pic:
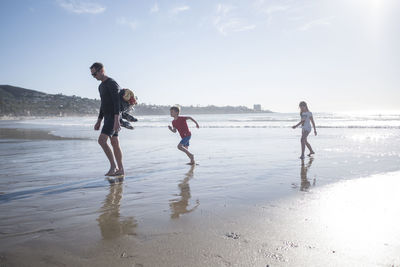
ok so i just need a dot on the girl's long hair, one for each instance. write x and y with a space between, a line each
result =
303 104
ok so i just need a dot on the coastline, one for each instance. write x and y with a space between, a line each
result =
27 118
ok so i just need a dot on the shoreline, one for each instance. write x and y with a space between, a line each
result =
15 118
32 134
27 118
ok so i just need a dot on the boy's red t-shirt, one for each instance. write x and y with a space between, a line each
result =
182 127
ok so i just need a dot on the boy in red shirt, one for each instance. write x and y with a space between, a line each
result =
179 123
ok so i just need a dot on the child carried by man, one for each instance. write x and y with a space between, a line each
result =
127 101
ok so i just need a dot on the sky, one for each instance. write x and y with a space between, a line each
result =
337 55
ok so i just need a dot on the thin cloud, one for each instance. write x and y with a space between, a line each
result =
226 22
224 10
155 8
275 9
179 9
269 7
286 12
126 22
315 23
81 7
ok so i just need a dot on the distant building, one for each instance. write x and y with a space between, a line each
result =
257 107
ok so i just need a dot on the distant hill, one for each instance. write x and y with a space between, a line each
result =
17 101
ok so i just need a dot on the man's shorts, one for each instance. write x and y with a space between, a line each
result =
108 126
185 141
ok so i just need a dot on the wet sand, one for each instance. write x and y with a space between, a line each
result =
351 223
30 134
250 202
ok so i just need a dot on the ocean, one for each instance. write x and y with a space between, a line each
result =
249 156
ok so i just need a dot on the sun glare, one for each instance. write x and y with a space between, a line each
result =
374 12
359 212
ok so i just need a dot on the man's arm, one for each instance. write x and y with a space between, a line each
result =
97 125
190 118
99 119
114 92
114 88
101 114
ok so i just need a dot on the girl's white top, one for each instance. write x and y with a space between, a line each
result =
306 116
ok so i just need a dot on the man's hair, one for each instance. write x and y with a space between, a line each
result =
175 108
97 66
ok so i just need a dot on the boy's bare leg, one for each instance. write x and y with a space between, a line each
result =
118 155
103 143
186 151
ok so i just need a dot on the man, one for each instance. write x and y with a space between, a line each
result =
109 110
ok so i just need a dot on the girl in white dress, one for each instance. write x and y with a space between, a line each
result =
306 118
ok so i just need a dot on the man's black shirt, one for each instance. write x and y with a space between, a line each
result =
109 96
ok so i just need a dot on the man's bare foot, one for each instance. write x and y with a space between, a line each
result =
301 157
111 172
119 173
311 153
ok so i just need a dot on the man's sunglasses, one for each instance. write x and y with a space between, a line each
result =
95 73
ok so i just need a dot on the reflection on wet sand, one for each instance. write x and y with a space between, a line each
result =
305 183
180 205
31 134
110 223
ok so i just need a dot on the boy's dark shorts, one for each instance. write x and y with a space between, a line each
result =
108 126
185 141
